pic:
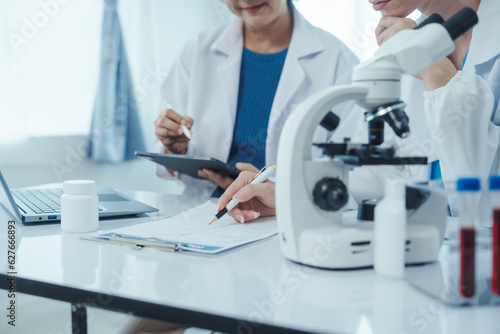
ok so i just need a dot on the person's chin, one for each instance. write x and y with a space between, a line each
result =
256 22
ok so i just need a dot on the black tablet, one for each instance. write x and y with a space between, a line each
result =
190 165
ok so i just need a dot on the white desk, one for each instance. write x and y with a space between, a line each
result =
252 289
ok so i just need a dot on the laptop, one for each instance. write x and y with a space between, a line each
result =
44 204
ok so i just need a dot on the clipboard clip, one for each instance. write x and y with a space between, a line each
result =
141 242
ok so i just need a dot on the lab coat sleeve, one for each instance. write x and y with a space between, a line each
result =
175 90
466 141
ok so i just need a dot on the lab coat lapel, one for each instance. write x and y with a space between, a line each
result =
304 42
484 39
230 44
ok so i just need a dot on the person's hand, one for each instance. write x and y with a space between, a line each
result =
223 181
255 200
391 25
169 131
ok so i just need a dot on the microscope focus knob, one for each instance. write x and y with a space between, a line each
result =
330 194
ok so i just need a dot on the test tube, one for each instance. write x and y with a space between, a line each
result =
468 190
494 186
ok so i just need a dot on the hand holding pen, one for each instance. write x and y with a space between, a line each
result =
174 131
249 197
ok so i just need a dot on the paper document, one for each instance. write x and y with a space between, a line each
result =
190 231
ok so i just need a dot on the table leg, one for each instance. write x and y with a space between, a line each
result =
79 318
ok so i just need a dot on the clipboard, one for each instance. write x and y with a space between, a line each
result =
190 165
189 231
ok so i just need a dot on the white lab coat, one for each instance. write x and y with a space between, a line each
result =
204 82
463 116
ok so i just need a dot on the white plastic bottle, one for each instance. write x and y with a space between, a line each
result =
79 206
390 230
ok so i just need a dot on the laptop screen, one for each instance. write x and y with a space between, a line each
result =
8 201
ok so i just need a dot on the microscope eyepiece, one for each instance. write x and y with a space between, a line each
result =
461 22
434 18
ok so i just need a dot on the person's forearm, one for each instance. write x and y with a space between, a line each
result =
438 75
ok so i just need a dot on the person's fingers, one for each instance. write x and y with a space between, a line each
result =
171 114
390 25
168 125
242 180
386 22
246 193
172 140
173 122
237 215
162 132
380 27
247 167
213 176
260 191
384 36
243 216
189 122
250 215
176 148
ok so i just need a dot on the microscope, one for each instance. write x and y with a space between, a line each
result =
311 194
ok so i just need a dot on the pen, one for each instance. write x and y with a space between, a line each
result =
260 177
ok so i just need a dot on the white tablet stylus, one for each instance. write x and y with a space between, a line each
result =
186 131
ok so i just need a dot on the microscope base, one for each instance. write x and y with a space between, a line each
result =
350 246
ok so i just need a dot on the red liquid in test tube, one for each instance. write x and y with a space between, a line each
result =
467 261
495 279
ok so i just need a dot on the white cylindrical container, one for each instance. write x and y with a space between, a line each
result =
79 206
390 230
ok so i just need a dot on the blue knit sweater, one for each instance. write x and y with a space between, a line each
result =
259 78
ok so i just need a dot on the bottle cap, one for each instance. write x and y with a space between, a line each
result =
79 187
494 182
468 184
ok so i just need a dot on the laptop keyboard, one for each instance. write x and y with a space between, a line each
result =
41 201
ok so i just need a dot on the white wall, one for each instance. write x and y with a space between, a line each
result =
44 159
